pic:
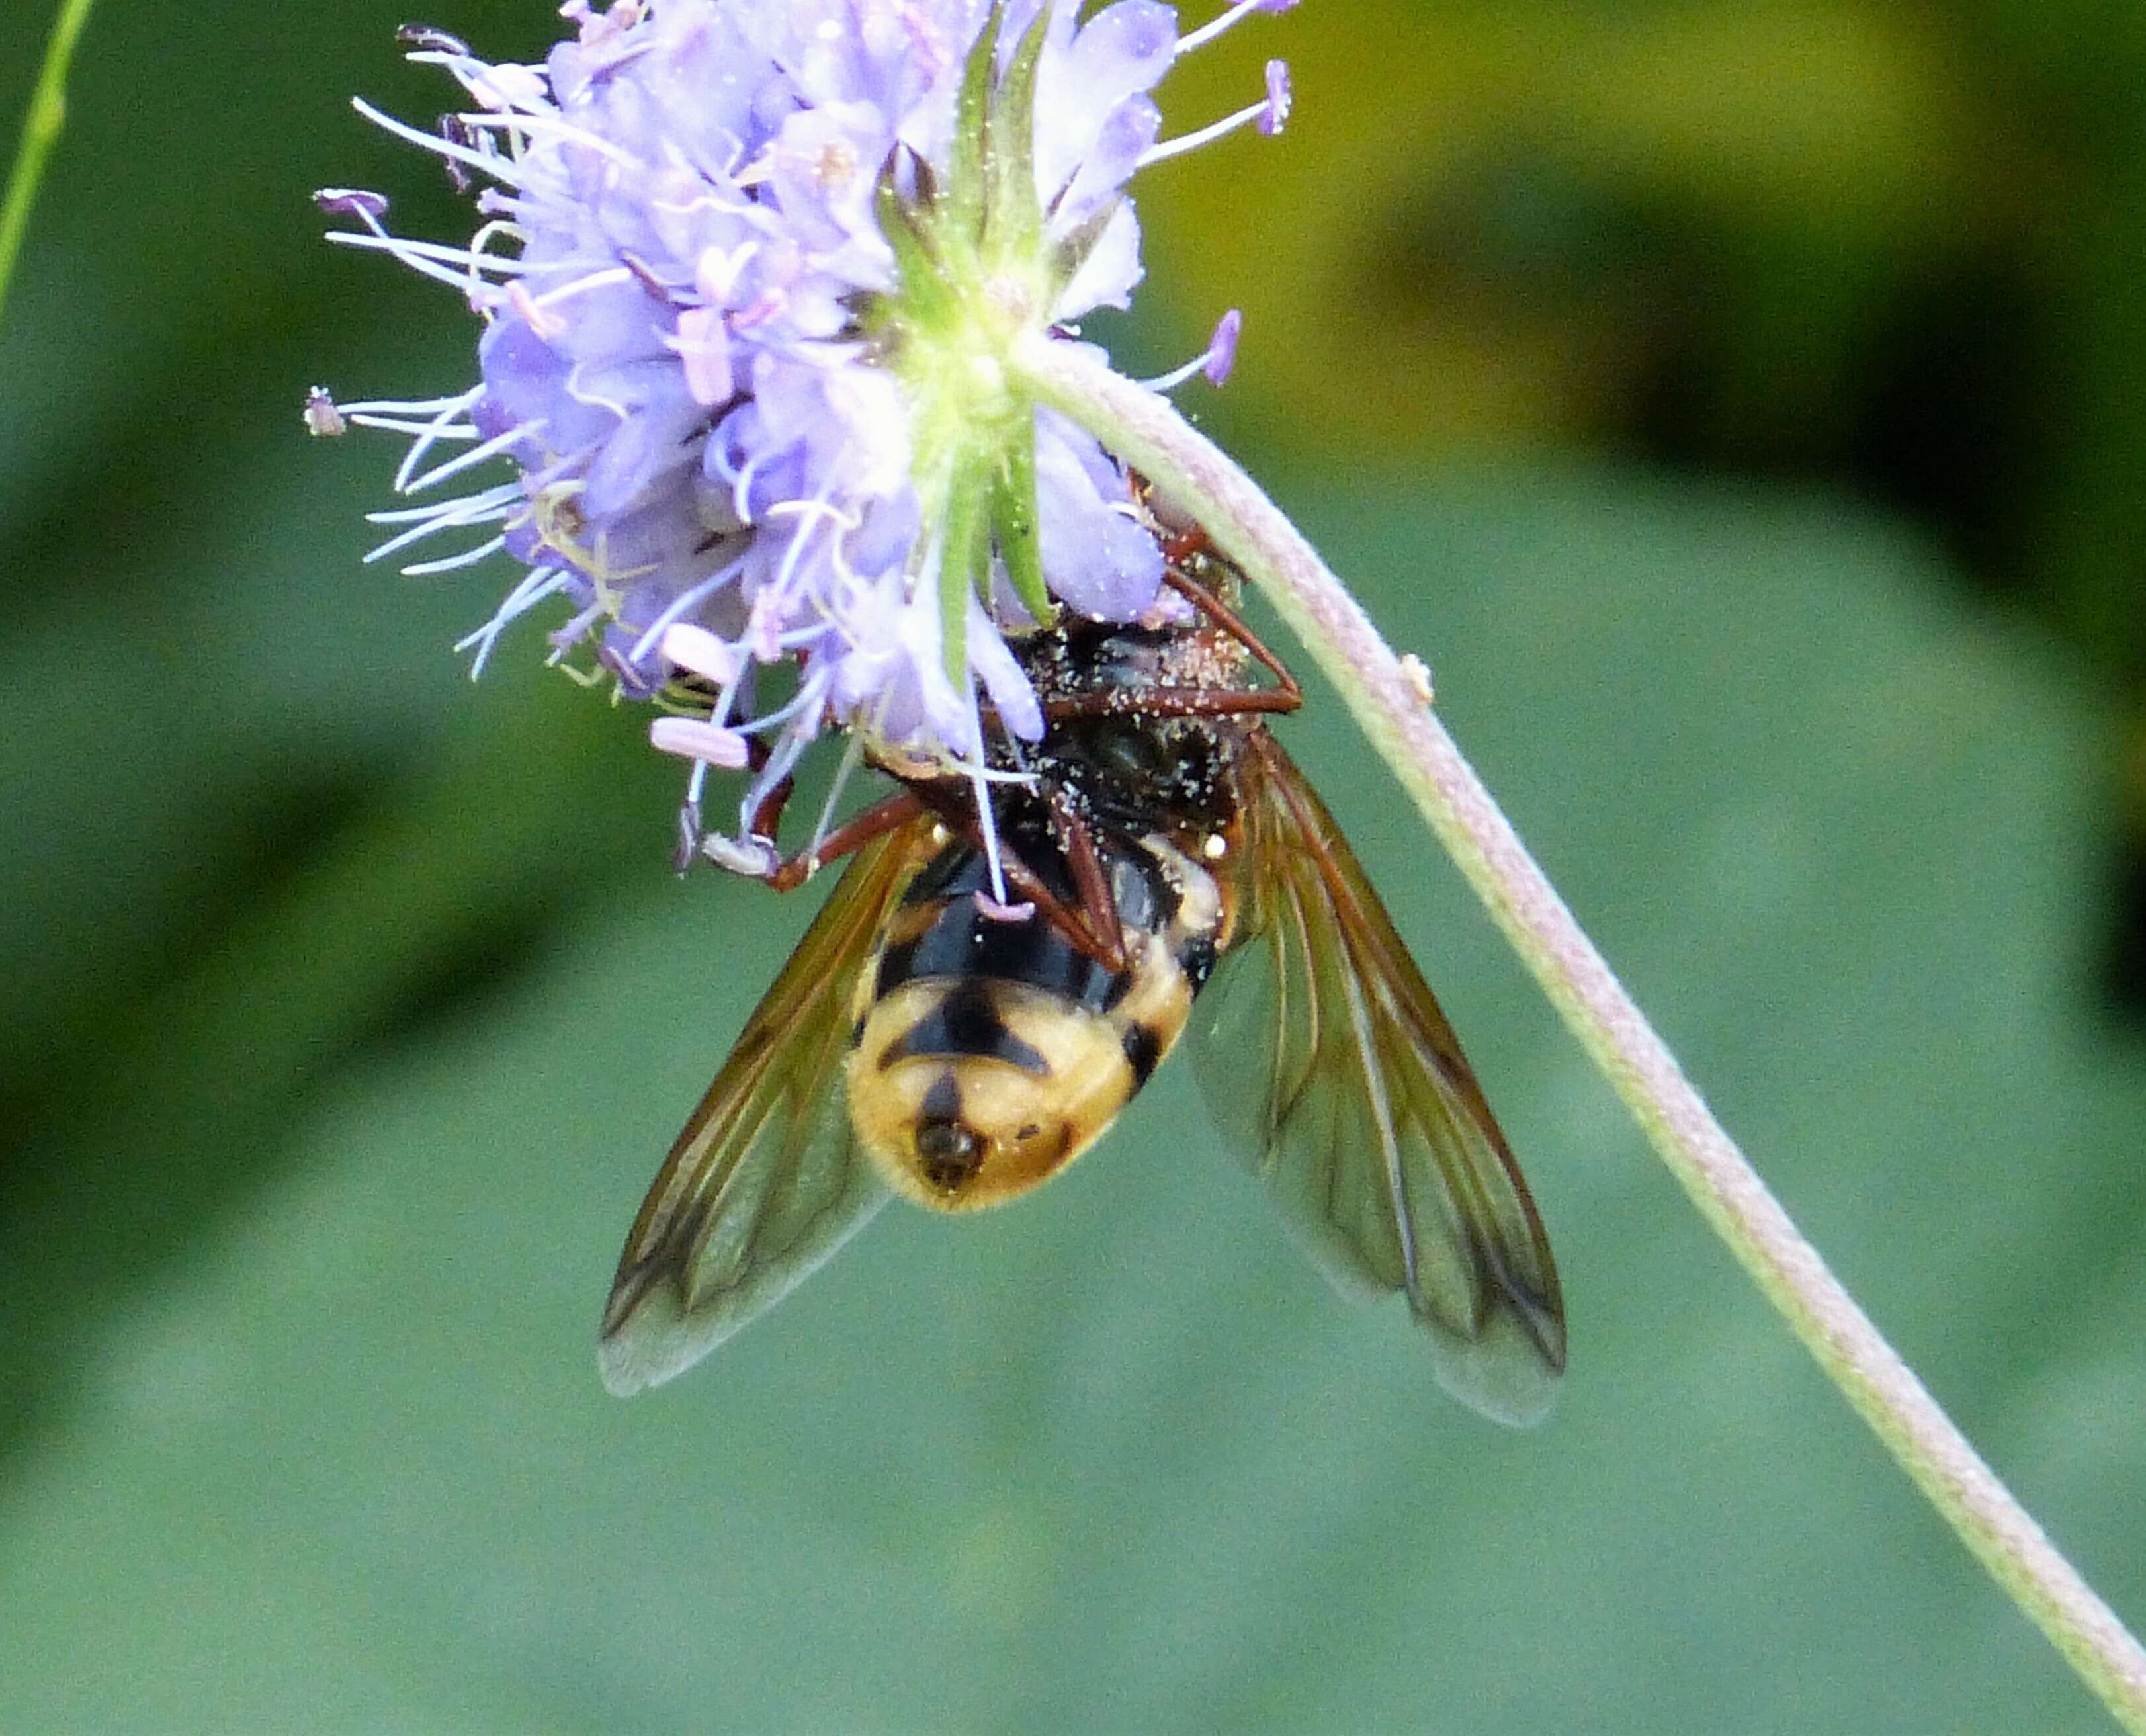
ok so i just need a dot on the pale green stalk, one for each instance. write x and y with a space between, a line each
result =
41 130
1391 707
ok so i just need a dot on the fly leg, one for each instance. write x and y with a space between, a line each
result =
1175 575
876 822
1098 937
1098 908
786 874
1284 696
756 855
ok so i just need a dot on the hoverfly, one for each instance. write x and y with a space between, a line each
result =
1174 870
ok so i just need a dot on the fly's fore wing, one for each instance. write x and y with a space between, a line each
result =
1328 1064
767 1180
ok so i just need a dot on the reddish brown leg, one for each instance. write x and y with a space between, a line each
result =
876 822
1171 702
1084 927
1187 545
767 817
1097 906
1284 696
1224 617
948 801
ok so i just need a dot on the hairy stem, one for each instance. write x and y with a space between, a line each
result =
1389 706
41 130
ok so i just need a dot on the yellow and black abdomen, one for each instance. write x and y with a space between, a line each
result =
990 1052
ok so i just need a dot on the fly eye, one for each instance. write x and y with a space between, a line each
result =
1134 753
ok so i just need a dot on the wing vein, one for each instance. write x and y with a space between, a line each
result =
768 1180
1376 1144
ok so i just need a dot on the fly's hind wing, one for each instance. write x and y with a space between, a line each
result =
768 1180
1330 1066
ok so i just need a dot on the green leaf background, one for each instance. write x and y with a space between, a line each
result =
351 1007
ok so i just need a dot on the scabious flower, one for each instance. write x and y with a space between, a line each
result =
747 271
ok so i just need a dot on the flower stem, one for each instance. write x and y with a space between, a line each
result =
41 130
1143 430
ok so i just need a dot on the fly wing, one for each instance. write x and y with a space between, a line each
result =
1328 1063
768 1180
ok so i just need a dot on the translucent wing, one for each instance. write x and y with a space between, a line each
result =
767 1180
1327 1062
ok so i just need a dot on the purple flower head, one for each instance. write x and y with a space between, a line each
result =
747 271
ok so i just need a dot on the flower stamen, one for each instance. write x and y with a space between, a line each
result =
1196 39
1215 361
1269 115
542 582
474 456
499 168
453 563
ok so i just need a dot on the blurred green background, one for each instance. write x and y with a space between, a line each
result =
1743 406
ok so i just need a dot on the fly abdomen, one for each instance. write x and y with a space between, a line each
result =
957 938
992 1052
970 1090
969 1021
